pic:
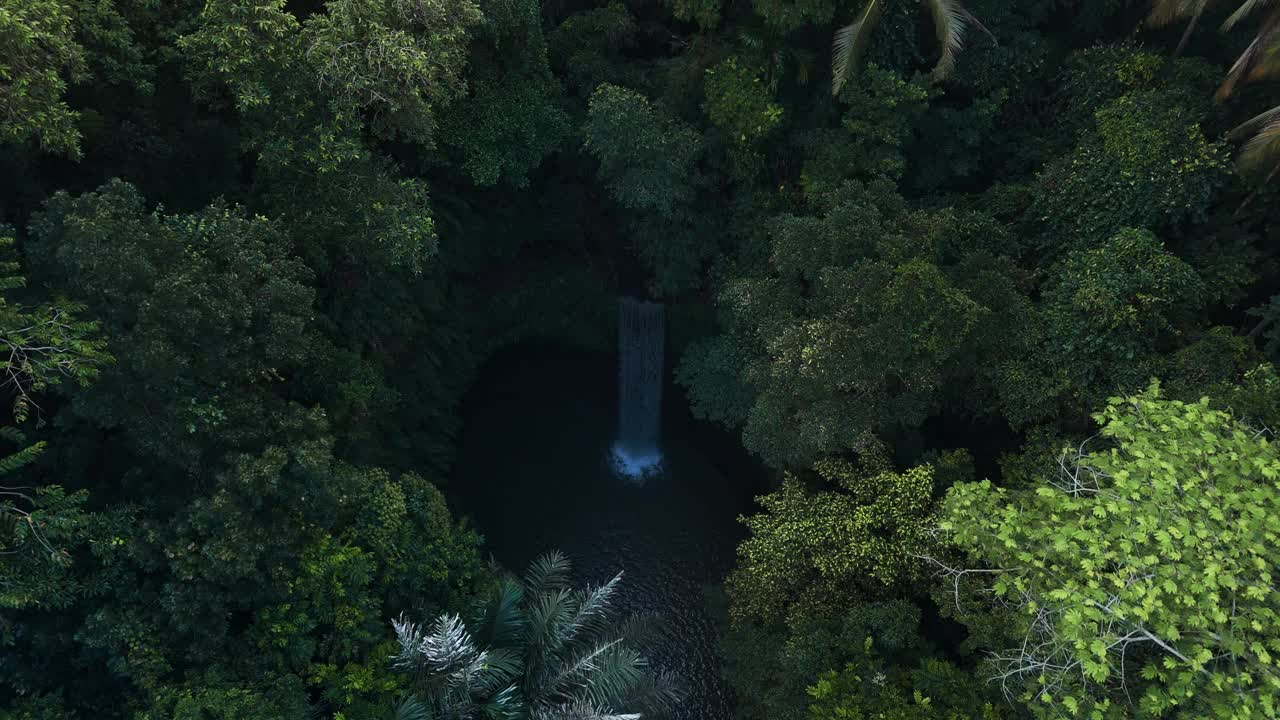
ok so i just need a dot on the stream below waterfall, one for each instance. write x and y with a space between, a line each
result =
534 473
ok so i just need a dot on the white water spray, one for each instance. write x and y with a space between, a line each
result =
641 335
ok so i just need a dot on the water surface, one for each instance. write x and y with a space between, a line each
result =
534 473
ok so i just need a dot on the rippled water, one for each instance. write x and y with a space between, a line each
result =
534 472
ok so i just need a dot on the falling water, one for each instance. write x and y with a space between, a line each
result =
636 455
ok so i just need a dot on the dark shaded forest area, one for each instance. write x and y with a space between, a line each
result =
983 294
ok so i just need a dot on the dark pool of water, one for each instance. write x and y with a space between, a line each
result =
533 473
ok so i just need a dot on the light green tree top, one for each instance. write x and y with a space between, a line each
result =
1143 572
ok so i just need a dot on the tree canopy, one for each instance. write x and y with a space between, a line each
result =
980 301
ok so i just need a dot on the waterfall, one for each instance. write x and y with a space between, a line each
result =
641 335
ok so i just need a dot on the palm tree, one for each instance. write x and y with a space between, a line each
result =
950 19
536 650
1261 133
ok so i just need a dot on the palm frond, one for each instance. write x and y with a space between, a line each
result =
592 611
499 621
804 61
777 65
410 636
641 630
851 43
579 711
1246 8
549 572
503 666
750 40
1262 150
443 655
1238 69
501 705
410 708
618 672
973 20
547 655
1266 61
657 693
1253 124
1196 12
1164 12
948 24
572 674
442 646
546 615
1257 60
13 435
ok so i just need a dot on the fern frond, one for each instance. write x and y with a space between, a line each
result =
851 42
20 459
13 435
948 24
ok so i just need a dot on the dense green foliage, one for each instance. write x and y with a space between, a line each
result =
255 252
870 689
865 318
810 551
47 346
